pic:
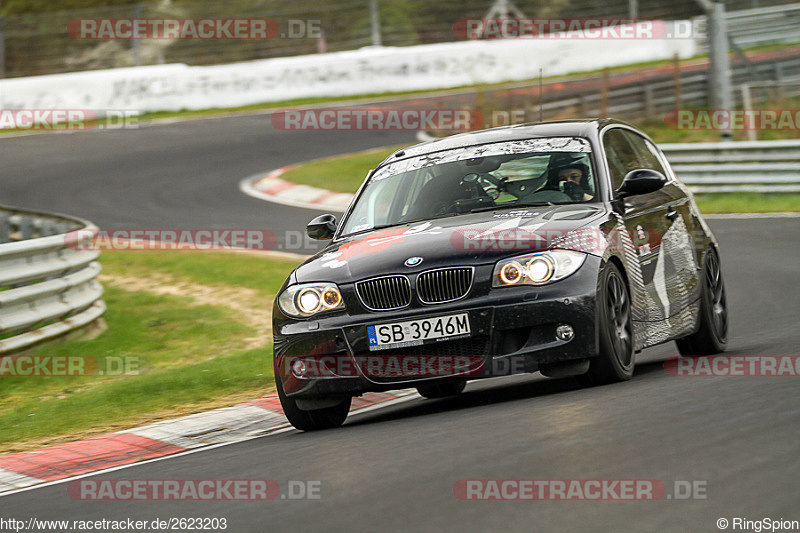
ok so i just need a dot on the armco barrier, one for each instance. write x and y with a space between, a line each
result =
743 166
47 287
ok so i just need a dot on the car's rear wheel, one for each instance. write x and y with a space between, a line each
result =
442 390
712 335
312 420
615 361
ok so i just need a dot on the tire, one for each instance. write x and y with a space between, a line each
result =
329 417
442 390
615 361
711 336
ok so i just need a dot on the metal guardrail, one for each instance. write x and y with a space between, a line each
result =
744 166
764 25
656 95
47 279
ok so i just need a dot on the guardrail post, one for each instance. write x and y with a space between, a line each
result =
604 93
47 228
2 47
375 22
5 229
747 103
778 70
649 104
720 62
137 46
633 9
676 79
25 228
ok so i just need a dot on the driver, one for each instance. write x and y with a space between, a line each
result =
569 174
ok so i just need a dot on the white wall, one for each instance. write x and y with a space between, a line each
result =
369 70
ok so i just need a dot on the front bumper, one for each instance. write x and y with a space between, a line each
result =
513 330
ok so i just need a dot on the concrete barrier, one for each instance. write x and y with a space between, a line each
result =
368 70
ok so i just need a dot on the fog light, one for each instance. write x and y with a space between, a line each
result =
564 332
299 368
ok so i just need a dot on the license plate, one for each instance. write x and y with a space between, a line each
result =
416 332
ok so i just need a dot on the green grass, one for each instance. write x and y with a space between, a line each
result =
209 268
188 355
748 203
346 172
343 173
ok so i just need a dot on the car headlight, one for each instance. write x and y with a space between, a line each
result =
310 298
537 269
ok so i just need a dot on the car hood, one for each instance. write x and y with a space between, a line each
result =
472 239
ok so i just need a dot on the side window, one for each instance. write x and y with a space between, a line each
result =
621 156
648 154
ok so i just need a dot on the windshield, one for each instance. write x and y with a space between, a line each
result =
492 176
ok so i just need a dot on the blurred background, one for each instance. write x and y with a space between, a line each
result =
34 41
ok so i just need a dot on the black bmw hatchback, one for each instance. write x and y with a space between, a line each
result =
562 247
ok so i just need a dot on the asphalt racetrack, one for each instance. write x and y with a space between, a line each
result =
395 468
181 176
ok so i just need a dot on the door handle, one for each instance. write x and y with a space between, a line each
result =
672 214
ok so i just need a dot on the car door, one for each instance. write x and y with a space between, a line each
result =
675 272
645 220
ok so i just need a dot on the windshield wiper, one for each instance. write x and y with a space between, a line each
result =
506 206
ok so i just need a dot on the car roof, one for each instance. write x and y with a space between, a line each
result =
561 128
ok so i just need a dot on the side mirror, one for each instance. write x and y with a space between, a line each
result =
322 228
641 181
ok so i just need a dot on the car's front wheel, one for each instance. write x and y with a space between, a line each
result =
712 334
315 419
616 360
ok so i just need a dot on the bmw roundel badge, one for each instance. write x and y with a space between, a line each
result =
413 261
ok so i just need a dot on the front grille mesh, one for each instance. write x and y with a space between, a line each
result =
390 292
444 285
